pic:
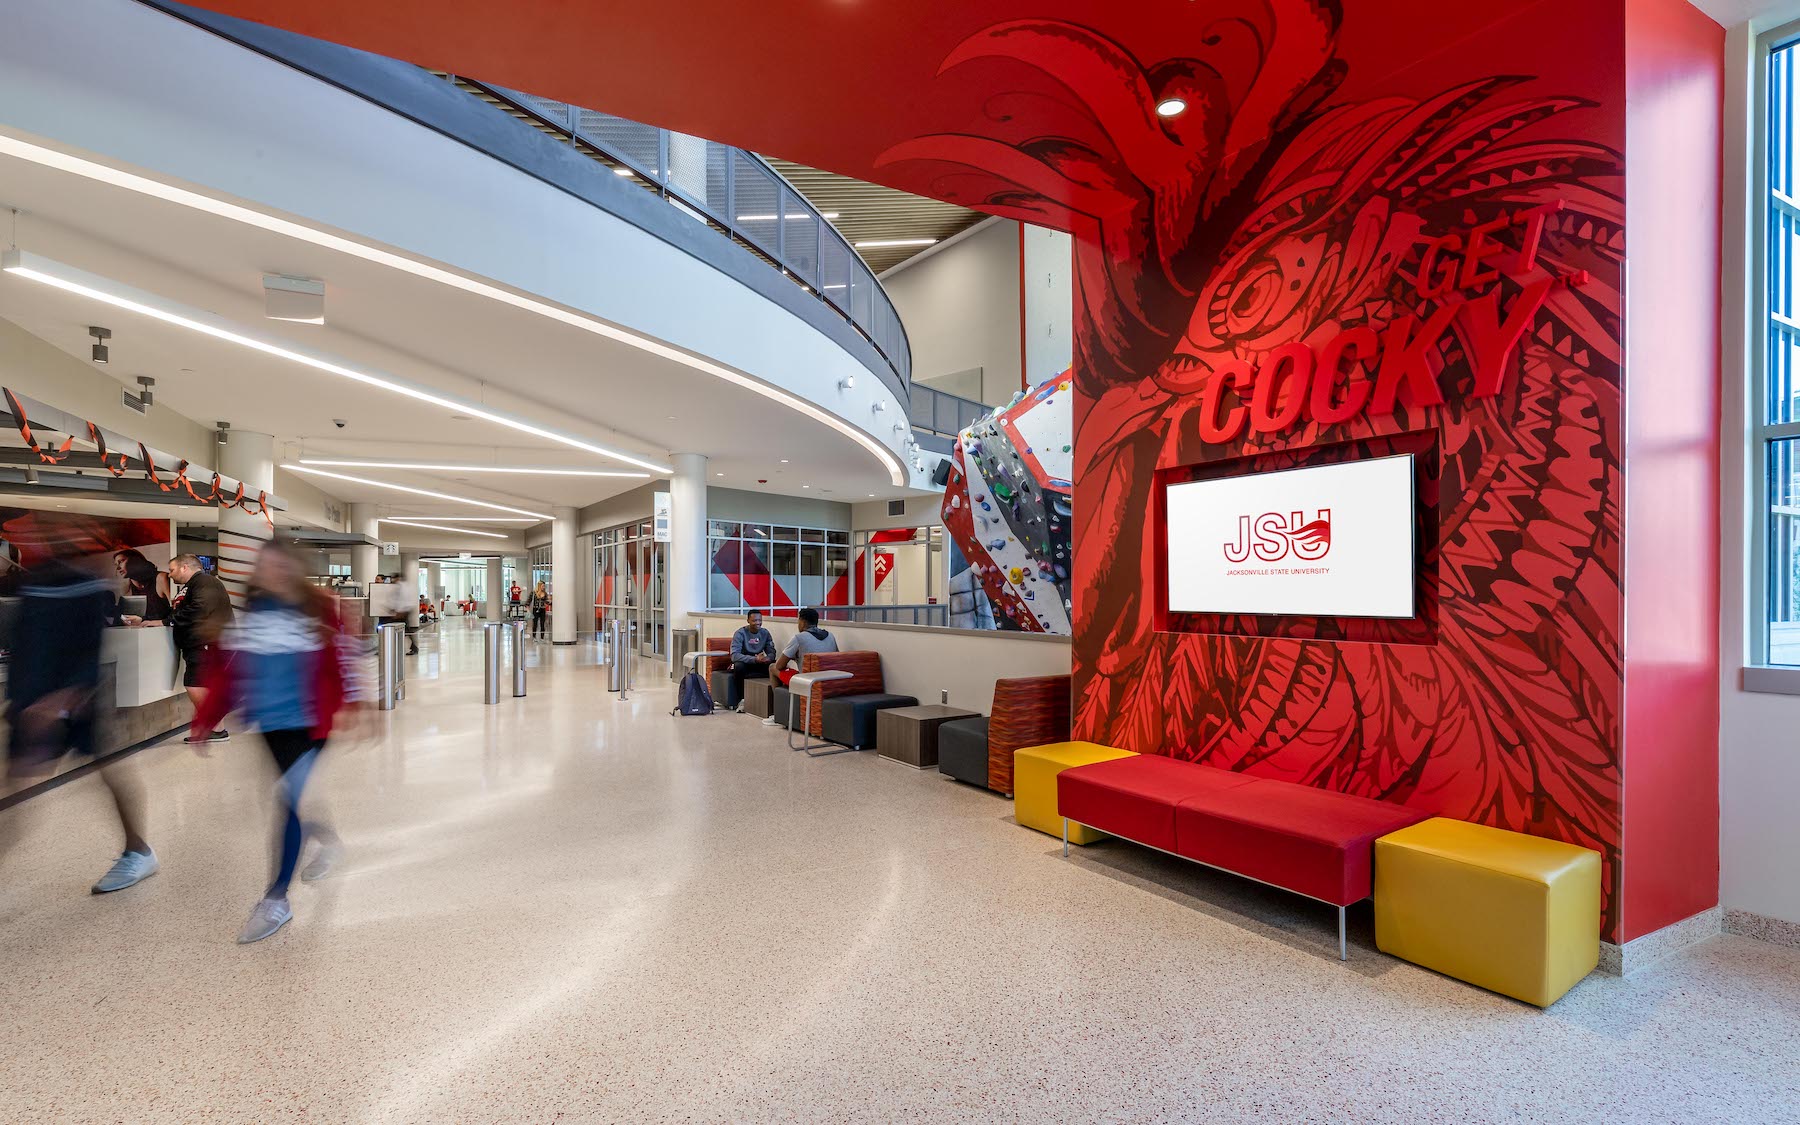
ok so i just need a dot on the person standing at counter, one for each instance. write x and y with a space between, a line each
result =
289 665
199 616
142 579
65 605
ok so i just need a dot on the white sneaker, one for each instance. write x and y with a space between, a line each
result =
130 869
322 862
270 915
772 721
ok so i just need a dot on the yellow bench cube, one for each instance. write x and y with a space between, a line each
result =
1034 785
1516 914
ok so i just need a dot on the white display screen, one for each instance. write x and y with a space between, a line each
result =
1326 541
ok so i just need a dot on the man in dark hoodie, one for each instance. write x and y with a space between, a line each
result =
810 638
199 617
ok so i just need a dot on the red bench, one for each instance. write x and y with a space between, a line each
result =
1313 842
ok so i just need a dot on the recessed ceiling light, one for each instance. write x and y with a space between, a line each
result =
623 172
441 527
414 491
718 474
1171 107
882 243
453 467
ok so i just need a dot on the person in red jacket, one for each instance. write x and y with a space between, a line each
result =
288 665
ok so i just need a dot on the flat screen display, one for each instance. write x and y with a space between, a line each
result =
1325 541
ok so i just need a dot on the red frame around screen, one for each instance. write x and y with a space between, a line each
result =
1420 629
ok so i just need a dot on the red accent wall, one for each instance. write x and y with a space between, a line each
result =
1570 687
1674 67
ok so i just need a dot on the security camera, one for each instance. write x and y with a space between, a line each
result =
339 423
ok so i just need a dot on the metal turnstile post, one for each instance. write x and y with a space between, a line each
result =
615 671
390 643
518 659
490 661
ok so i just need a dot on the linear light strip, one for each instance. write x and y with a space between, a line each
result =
414 491
441 527
88 169
438 466
467 519
57 275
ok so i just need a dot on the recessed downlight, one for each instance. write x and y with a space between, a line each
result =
1171 107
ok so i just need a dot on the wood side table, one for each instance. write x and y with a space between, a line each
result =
908 735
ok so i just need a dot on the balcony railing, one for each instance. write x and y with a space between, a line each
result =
936 412
736 192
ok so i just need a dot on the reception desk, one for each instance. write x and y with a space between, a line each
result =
145 666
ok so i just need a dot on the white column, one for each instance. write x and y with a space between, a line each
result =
564 613
250 458
686 592
495 596
365 561
434 581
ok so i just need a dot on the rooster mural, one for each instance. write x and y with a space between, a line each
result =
1273 211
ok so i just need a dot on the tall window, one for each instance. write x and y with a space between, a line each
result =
1777 395
776 567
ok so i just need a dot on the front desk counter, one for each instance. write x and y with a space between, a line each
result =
145 666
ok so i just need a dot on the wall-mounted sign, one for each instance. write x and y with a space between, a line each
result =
662 517
390 547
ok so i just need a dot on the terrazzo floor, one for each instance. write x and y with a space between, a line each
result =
571 908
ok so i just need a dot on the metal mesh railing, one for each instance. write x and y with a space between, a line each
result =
936 412
738 192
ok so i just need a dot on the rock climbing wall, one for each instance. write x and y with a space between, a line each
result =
1007 507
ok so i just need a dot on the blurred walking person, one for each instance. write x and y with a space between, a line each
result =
198 619
65 605
288 665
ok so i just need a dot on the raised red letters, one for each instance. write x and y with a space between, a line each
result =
1332 384
1360 343
1404 363
1296 360
1491 340
1234 373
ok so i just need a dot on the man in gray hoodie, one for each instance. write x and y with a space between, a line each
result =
810 638
752 651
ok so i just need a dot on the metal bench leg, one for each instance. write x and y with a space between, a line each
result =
1065 837
1343 947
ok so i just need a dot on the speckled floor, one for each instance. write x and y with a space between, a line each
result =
571 908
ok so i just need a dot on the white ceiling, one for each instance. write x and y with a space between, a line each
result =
1767 13
457 343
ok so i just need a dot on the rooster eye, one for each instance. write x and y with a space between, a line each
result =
1253 297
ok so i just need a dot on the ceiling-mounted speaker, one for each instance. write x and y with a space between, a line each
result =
299 299
941 475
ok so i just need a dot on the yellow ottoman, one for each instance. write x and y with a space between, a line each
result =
1516 914
1034 785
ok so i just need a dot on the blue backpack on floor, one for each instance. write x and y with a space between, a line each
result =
694 697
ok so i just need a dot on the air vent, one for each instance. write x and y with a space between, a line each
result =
896 507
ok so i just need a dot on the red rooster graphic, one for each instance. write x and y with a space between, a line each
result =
1269 214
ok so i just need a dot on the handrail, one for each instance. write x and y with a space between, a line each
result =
738 192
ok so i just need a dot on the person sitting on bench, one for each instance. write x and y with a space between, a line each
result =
752 651
810 638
